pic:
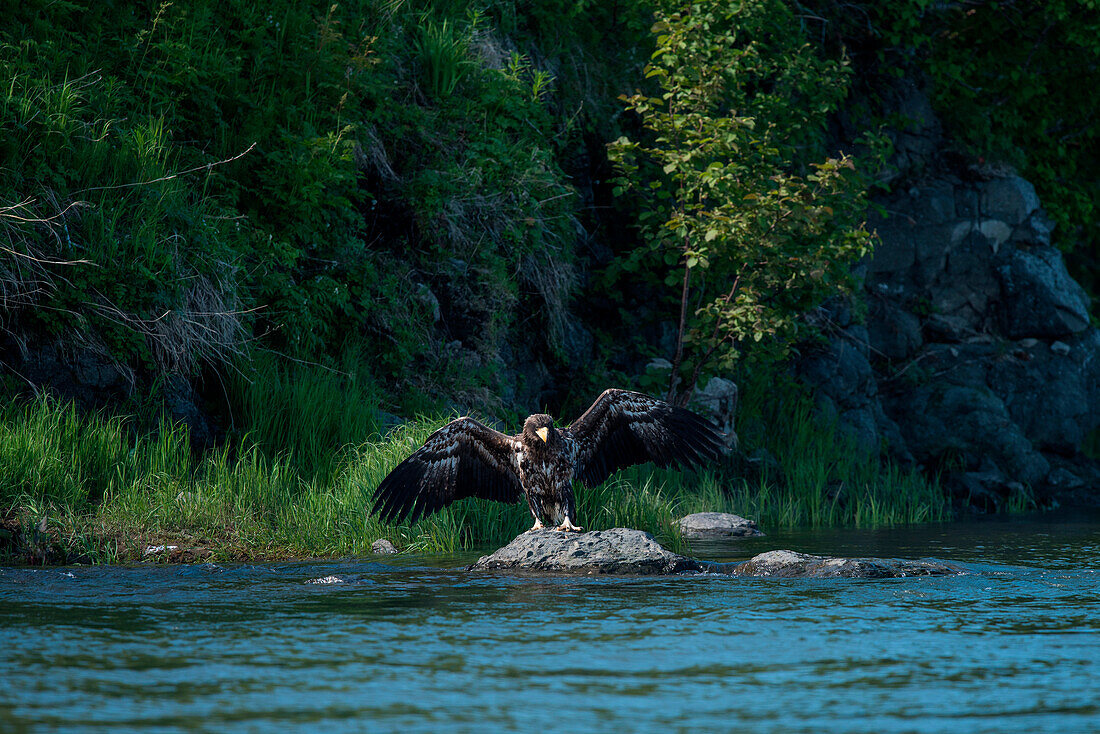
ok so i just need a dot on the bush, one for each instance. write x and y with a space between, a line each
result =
735 213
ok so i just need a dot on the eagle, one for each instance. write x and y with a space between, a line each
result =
466 458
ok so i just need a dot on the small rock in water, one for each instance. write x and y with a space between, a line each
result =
788 564
616 551
718 525
383 547
326 580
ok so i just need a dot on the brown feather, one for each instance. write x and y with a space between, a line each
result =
462 459
624 428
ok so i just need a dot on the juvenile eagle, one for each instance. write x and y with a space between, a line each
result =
466 458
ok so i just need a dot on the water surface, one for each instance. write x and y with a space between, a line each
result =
417 645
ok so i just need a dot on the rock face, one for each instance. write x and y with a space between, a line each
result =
788 564
616 551
718 525
977 359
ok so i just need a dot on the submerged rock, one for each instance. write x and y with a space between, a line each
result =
382 547
616 551
718 525
788 564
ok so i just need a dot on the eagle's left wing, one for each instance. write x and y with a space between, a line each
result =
623 428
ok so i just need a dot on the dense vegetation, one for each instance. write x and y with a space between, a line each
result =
300 217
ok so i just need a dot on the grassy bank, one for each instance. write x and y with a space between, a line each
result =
94 488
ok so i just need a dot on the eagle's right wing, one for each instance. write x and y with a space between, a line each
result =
624 428
464 458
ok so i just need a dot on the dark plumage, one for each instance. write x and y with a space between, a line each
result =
468 459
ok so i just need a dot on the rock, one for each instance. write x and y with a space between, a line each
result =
718 525
617 551
788 564
894 333
1054 394
387 421
382 547
966 421
718 402
846 391
944 328
982 491
1042 300
966 284
964 291
1011 199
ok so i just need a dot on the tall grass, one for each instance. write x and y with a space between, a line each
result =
300 481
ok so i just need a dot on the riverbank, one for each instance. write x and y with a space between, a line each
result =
88 488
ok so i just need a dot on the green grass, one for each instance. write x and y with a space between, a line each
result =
298 483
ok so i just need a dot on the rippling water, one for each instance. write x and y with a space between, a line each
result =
418 645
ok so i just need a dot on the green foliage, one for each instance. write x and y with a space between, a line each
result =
109 490
184 176
305 415
444 57
734 211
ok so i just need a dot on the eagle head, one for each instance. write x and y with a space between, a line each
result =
538 430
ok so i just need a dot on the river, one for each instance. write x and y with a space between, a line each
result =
415 644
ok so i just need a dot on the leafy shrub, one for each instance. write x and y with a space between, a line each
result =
735 213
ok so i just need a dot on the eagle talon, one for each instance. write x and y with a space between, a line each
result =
568 527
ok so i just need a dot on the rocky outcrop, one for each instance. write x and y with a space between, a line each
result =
976 358
788 564
710 525
618 551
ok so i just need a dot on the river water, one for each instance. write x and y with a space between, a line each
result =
418 645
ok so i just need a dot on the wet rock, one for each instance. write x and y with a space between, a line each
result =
788 564
718 525
620 551
382 547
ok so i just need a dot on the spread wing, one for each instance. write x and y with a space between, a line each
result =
464 458
624 428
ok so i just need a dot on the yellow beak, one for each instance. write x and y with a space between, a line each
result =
544 434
